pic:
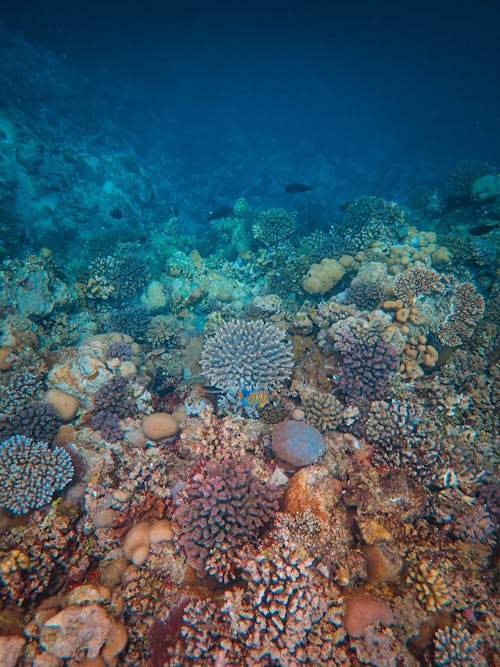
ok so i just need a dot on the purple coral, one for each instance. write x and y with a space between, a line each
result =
221 508
367 367
112 397
111 404
119 350
37 420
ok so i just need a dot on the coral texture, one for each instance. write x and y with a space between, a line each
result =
251 355
31 473
221 508
366 368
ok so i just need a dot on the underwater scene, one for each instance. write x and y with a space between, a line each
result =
249 333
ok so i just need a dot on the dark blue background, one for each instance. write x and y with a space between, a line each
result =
377 82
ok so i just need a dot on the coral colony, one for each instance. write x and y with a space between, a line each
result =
261 443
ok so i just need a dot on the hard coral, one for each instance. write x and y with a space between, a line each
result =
252 355
222 508
460 179
467 308
417 281
454 645
31 473
366 367
284 616
36 420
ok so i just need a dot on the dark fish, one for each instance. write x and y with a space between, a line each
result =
297 187
345 205
479 230
219 213
116 213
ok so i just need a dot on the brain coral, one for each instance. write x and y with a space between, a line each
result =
251 355
31 473
221 508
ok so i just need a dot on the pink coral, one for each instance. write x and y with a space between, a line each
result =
221 508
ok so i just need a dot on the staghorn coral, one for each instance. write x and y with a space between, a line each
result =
35 555
455 646
31 473
161 331
284 615
467 308
114 397
251 355
474 524
131 320
119 350
116 278
112 403
405 434
417 281
221 508
432 590
369 219
18 387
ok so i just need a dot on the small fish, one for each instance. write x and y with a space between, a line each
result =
219 213
206 389
257 398
297 187
479 230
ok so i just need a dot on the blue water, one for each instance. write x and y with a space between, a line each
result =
220 100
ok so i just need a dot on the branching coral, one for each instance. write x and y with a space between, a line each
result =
273 226
31 473
222 508
417 281
366 368
285 615
252 355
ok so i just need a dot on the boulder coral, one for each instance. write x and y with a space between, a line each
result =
322 277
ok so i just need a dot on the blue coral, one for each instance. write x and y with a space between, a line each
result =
251 355
31 473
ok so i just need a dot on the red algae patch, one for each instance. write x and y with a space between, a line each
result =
159 425
362 609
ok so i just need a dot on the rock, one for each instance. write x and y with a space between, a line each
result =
115 643
362 609
87 593
6 359
76 632
297 443
159 425
104 518
65 405
312 488
10 649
